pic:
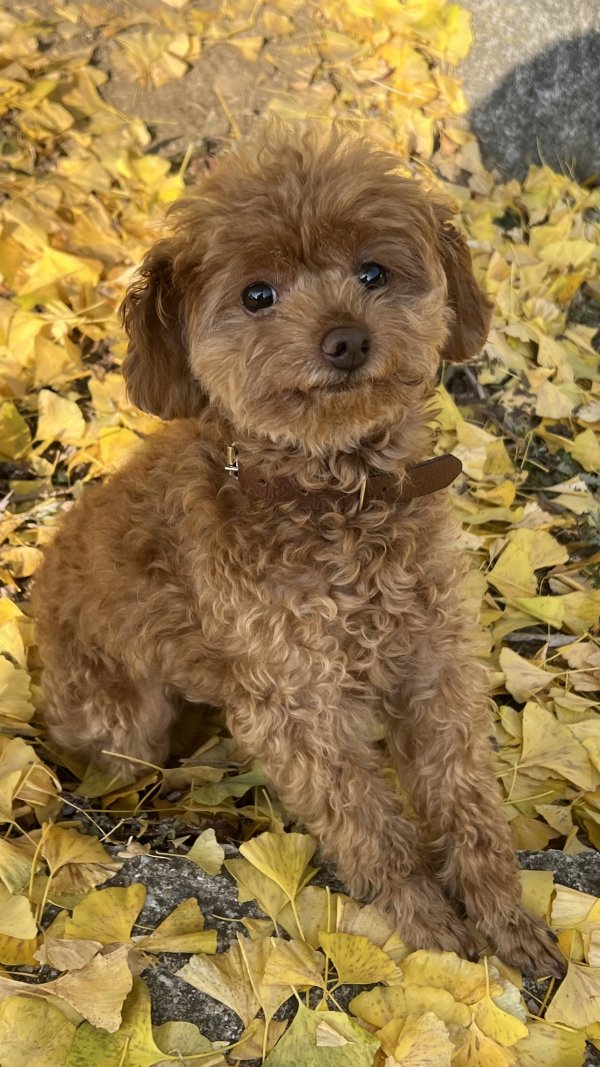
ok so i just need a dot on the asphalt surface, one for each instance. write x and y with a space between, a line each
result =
532 81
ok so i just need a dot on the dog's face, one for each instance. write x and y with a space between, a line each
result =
307 290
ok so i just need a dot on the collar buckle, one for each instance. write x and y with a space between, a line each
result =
231 464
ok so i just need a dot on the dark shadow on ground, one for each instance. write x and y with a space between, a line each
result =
546 110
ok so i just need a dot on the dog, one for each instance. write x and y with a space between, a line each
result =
284 549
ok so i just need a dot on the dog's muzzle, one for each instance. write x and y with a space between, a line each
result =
346 347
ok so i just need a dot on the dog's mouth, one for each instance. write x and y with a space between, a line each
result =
343 385
355 379
320 390
347 381
351 382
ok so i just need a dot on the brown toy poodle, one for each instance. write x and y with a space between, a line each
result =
281 550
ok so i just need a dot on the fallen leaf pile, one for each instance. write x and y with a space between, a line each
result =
84 188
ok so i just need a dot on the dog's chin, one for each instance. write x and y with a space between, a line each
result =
357 388
343 393
345 383
330 413
336 414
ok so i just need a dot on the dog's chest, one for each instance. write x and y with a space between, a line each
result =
373 577
356 586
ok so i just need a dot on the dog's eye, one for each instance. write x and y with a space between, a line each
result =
259 295
372 275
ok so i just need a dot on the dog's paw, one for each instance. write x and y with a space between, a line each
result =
425 919
448 936
525 942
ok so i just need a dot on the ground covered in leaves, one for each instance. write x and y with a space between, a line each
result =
98 134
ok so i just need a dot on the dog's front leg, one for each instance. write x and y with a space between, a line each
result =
317 754
439 730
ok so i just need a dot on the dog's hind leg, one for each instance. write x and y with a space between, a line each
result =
105 715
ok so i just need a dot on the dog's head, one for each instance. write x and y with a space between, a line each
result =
307 290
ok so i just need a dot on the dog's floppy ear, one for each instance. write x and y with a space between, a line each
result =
472 310
156 368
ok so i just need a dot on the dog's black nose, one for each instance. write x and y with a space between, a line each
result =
346 347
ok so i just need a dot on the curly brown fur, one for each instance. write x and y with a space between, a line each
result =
168 582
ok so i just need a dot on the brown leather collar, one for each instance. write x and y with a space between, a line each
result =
421 479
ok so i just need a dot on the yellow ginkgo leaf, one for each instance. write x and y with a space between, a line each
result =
207 852
181 1039
498 462
566 254
53 273
444 970
316 909
552 403
513 574
182 931
9 783
283 857
547 609
593 954
67 955
577 916
22 560
253 885
359 962
59 419
34 784
342 1042
15 693
537 888
76 861
522 678
293 963
33 1032
56 364
18 952
542 549
115 445
581 610
256 956
256 1039
572 908
549 745
420 1041
558 816
133 1044
106 915
481 1051
530 833
576 1003
225 978
381 1005
98 989
586 450
339 47
15 437
257 929
369 921
551 1046
16 916
15 863
503 494
574 495
499 1025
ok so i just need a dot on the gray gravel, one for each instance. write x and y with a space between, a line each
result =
169 881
